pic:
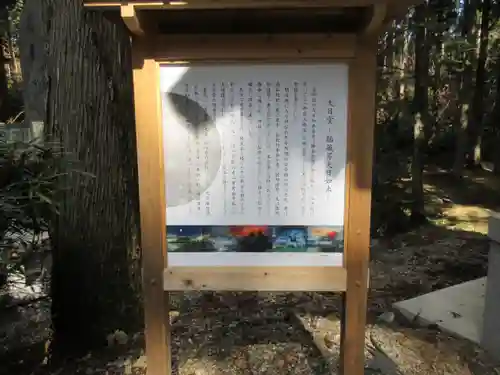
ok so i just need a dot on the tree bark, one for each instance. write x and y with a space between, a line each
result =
420 114
95 237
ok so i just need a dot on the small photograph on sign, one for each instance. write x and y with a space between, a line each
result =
255 239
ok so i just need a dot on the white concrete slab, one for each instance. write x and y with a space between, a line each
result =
458 309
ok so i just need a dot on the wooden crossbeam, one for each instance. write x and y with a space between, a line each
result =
228 47
327 279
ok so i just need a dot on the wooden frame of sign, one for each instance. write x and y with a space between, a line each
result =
358 49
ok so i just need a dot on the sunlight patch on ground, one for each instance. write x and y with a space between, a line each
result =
471 214
391 350
465 218
430 188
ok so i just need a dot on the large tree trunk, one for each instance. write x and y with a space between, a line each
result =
475 120
420 113
96 257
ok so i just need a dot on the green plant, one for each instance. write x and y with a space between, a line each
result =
28 197
28 184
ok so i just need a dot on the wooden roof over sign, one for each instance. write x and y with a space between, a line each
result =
238 4
254 16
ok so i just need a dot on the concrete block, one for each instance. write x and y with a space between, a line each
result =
494 227
490 338
457 309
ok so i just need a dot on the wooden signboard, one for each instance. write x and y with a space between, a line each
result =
255 138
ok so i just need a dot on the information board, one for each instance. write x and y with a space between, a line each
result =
255 151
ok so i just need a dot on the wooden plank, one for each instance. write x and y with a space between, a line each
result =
192 48
152 210
242 4
361 121
328 279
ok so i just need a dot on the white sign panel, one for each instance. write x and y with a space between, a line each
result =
255 144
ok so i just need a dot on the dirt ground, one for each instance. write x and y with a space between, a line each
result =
298 333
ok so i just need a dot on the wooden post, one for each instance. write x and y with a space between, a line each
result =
152 209
361 121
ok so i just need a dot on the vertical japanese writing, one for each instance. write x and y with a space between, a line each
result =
221 113
250 102
233 147
295 104
286 154
214 112
305 125
197 134
329 147
312 178
277 182
206 152
187 96
242 150
268 147
259 149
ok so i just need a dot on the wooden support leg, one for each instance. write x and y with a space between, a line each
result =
152 208
361 119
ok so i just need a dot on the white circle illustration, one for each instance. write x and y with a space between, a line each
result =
192 149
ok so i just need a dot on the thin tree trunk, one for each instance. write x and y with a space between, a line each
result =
420 113
468 32
4 88
475 120
96 257
439 23
400 86
13 57
386 85
496 123
32 40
